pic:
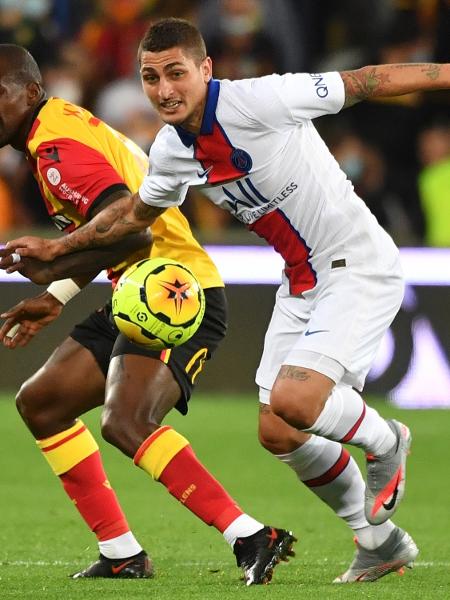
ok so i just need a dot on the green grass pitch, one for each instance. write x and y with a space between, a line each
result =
42 539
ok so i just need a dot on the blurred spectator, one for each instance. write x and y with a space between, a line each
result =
434 182
364 166
29 23
240 47
112 37
249 25
122 105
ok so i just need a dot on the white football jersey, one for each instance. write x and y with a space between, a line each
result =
259 156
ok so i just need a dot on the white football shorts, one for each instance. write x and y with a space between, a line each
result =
335 328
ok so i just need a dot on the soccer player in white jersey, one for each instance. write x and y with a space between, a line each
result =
251 146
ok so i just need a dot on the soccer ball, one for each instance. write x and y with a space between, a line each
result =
158 303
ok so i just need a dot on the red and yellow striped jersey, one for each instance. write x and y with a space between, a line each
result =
78 160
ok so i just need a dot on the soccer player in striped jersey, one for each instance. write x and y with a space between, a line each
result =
252 148
82 165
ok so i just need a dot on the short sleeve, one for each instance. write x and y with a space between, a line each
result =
77 173
162 185
305 95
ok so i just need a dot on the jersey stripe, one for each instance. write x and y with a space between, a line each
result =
276 228
214 151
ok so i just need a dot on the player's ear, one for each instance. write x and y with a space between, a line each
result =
34 92
206 67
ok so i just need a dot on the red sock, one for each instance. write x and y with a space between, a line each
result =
168 458
74 457
87 485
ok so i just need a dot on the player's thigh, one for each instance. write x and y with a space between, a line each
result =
147 384
140 389
72 381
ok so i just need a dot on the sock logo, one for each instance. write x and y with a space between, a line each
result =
187 492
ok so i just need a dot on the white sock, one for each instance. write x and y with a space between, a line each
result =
329 471
372 536
243 526
334 477
347 419
122 546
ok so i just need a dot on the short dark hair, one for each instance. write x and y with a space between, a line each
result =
19 66
170 33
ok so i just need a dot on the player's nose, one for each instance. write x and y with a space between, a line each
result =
165 89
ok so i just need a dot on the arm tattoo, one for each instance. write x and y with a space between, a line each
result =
126 216
290 372
363 83
144 212
432 71
264 409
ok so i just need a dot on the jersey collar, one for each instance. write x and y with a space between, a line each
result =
209 115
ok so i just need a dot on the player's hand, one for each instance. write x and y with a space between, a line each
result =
35 270
10 261
34 247
24 320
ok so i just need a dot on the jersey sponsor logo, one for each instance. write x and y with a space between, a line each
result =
319 84
249 205
205 172
54 176
72 195
241 160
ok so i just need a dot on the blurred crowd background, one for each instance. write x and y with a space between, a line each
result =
396 152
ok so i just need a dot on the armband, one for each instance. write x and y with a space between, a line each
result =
63 290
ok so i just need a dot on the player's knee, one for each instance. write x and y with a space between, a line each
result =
275 443
31 401
28 400
300 408
276 436
112 428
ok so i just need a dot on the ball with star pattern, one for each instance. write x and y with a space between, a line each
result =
158 303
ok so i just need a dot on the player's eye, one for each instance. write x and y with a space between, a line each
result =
150 78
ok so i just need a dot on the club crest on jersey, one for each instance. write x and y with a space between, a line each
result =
241 160
54 176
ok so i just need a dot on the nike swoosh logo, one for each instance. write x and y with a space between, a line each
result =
308 332
116 569
205 172
390 505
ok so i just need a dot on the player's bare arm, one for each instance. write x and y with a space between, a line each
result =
125 216
85 262
393 80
